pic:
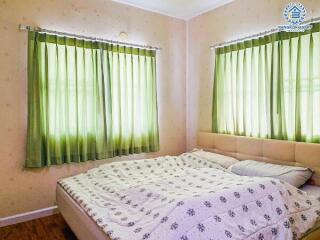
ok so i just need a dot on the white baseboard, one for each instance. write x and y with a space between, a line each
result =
23 217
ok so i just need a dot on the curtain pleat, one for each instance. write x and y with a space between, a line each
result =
269 87
88 100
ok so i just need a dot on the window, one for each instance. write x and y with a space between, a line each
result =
269 87
89 100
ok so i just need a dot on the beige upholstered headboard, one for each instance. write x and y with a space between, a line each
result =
273 151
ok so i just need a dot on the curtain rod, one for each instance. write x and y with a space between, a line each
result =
261 34
38 29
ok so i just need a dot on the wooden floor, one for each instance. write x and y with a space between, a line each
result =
48 228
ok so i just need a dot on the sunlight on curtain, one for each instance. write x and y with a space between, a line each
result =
269 87
89 100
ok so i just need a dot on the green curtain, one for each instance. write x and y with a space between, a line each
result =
88 100
269 87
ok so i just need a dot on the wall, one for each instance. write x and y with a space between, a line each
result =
184 107
23 190
238 19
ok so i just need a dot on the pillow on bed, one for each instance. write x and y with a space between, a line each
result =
222 160
296 176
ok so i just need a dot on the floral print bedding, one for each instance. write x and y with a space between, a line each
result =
189 198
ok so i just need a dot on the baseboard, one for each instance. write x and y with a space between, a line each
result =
23 217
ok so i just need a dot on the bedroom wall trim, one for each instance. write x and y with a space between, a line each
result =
24 217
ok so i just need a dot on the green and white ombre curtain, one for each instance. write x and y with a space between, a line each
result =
269 87
89 100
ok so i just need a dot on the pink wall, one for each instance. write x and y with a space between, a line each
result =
237 19
24 190
185 75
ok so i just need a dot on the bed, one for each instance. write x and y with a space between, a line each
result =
87 222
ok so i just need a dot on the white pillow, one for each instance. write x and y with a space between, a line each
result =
296 176
222 160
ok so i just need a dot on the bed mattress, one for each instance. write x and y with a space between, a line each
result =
88 221
84 228
78 220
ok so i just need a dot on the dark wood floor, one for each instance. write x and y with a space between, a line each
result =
47 228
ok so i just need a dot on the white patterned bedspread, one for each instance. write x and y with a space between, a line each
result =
189 198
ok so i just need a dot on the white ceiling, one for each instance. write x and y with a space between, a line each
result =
183 9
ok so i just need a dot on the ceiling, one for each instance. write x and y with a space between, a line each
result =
183 9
